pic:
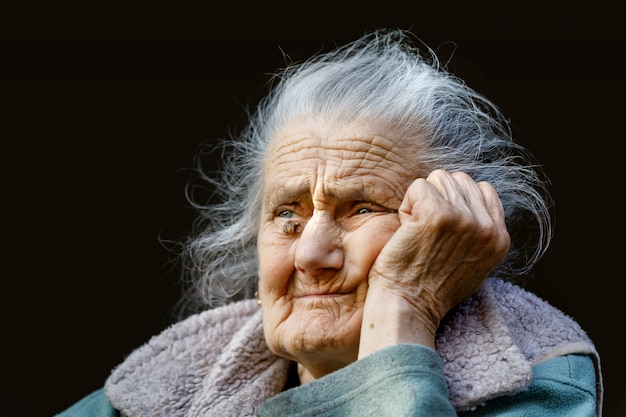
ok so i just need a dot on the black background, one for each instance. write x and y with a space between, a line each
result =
98 133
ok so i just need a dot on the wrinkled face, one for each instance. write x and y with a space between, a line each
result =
330 204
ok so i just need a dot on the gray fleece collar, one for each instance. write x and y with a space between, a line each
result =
216 363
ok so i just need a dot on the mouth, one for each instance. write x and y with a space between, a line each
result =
325 292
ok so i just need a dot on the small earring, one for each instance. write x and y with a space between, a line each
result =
258 300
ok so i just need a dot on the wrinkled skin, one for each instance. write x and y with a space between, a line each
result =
358 251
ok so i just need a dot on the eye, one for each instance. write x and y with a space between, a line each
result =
287 214
365 207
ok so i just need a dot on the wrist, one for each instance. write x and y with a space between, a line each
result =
389 319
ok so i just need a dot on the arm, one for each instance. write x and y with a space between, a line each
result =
563 386
407 380
95 404
403 380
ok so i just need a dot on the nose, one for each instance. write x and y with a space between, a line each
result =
319 246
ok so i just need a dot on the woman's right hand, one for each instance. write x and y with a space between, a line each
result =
452 234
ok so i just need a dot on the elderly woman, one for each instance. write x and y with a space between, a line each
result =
381 211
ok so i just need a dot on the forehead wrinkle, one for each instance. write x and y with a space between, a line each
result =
376 156
337 164
356 183
367 156
381 149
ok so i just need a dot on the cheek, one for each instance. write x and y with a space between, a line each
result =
275 264
364 244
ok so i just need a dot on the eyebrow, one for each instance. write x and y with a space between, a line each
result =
288 191
293 192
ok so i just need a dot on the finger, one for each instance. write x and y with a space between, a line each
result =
463 193
448 186
479 200
492 201
419 192
485 205
442 189
480 197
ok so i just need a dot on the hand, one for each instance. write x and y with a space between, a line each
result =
451 235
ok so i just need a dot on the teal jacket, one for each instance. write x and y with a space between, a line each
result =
504 352
407 380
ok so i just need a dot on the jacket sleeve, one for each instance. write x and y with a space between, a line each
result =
95 404
402 380
408 380
563 386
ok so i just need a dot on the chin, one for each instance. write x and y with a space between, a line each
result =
319 331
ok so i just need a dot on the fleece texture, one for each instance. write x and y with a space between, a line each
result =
216 363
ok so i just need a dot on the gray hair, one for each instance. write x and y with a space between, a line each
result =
385 78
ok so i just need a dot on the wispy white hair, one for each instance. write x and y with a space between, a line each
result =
386 77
